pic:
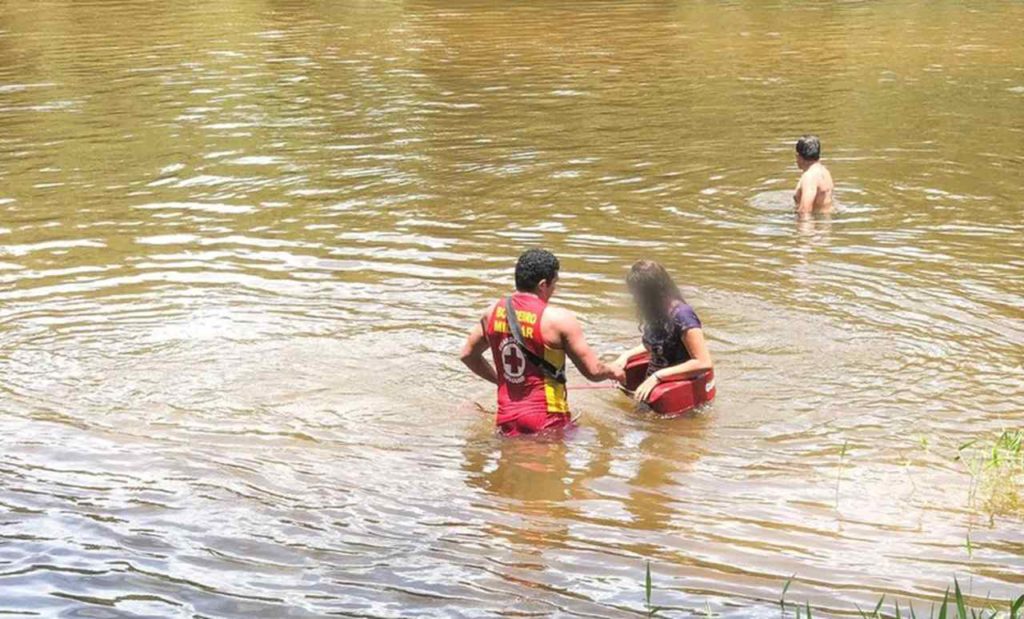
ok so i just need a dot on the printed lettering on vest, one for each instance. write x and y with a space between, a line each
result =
527 320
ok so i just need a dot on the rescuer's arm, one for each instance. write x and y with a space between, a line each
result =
576 347
473 354
700 360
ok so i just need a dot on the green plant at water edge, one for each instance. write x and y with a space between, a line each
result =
782 598
997 472
707 612
839 475
874 613
652 610
807 608
960 609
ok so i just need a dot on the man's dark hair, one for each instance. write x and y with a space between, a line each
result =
809 147
533 267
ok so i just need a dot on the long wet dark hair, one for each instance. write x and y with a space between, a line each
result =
654 292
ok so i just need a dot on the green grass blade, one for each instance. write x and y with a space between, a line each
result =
785 588
945 601
967 445
647 585
1015 607
961 607
878 606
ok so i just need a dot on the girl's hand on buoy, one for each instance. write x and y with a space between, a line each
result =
644 390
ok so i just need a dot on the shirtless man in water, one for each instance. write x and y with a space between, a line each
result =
814 191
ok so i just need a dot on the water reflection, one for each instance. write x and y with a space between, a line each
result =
664 454
544 479
816 230
531 472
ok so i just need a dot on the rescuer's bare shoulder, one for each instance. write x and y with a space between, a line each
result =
559 324
560 316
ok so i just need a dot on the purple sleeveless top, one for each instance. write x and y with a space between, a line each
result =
665 342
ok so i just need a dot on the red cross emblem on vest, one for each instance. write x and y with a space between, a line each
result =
513 362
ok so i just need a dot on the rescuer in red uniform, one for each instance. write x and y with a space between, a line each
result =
529 340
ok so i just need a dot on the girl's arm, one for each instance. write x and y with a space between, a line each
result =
624 357
700 358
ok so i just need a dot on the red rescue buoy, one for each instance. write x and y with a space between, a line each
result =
675 395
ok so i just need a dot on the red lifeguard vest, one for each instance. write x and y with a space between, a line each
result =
523 388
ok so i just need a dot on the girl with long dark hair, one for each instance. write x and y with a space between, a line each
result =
671 331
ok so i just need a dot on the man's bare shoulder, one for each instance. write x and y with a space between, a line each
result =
561 320
826 176
559 315
559 325
819 172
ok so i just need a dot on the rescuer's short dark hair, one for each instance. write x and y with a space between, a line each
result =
809 147
533 267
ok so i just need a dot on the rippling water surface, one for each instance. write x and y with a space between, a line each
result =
240 241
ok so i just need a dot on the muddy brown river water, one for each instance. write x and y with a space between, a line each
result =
241 240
